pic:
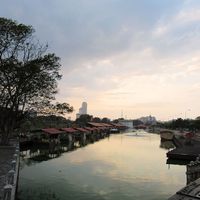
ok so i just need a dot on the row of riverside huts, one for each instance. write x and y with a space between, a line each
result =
73 134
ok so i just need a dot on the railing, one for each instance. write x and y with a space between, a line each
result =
11 180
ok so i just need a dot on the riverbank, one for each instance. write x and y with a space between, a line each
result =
9 168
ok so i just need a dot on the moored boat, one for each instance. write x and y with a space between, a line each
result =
166 135
114 130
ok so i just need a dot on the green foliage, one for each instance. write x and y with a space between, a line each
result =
180 123
28 75
196 123
39 122
115 121
105 120
96 119
83 120
51 109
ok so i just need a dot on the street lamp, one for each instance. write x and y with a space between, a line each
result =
186 112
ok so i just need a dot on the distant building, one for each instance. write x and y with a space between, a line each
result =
149 120
126 122
82 110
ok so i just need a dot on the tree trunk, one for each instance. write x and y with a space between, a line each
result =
6 128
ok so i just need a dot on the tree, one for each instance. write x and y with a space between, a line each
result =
43 121
53 109
105 120
28 75
196 123
96 119
84 119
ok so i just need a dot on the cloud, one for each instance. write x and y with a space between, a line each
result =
142 55
180 27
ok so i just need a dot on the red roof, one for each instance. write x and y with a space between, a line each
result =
118 125
82 130
69 130
51 131
94 128
95 124
90 129
99 124
102 128
106 125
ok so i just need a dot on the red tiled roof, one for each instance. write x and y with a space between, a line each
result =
82 130
69 130
51 131
102 128
95 124
90 129
118 125
106 125
99 124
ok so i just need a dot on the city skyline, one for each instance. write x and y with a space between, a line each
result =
139 56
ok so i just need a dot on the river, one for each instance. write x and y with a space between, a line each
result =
128 166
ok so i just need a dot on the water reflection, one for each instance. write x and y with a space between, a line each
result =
44 152
119 167
139 133
42 193
41 153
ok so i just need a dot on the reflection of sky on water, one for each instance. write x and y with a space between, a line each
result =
118 167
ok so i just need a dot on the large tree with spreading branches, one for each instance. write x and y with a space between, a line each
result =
28 76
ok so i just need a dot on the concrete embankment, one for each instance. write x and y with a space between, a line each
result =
9 170
192 189
185 151
188 150
190 192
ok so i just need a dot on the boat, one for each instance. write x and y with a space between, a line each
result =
114 130
166 135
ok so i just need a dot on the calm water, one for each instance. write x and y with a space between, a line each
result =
121 167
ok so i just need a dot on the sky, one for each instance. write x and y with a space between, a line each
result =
136 57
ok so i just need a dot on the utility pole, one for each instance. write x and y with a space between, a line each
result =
122 114
186 112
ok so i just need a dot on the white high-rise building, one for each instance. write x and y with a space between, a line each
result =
82 110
